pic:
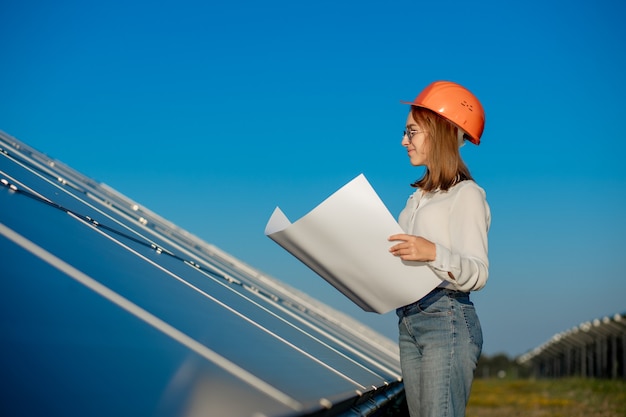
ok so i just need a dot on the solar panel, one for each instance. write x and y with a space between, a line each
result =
110 310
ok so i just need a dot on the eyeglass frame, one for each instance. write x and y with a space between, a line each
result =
409 133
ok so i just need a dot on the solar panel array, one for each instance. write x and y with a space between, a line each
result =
593 349
110 310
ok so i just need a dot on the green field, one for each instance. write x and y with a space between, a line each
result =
570 397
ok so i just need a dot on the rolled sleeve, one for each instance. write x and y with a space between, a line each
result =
464 273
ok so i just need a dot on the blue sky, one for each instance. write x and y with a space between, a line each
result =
212 114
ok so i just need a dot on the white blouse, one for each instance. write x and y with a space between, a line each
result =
457 222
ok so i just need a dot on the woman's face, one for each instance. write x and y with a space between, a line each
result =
414 140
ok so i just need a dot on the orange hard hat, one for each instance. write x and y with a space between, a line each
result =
456 104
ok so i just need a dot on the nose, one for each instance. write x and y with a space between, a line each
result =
405 140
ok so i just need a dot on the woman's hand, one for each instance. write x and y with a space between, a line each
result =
413 248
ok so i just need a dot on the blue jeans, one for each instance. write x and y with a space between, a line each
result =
440 342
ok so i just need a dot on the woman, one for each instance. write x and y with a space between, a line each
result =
446 222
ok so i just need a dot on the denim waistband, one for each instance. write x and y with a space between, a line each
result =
432 296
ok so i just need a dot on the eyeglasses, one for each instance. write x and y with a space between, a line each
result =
410 133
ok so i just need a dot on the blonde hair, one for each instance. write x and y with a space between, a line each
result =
446 168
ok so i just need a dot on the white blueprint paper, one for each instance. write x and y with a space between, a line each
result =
344 240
